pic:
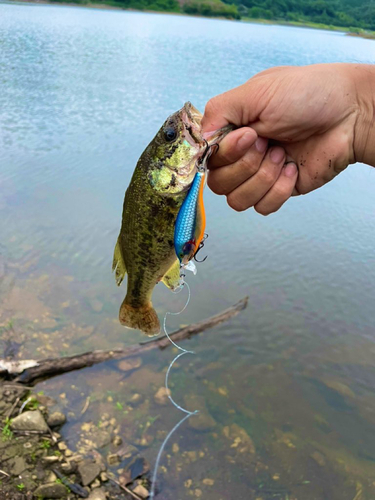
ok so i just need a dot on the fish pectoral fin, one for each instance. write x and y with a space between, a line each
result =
118 264
171 278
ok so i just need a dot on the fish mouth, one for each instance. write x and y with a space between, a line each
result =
192 119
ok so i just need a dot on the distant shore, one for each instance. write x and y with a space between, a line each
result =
296 24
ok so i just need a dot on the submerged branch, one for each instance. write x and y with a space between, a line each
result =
47 368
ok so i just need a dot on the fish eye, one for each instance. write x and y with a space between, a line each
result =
170 134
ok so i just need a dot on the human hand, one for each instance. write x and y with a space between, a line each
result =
307 125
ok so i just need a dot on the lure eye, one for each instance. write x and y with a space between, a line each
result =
170 134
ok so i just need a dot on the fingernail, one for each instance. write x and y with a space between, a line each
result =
290 169
246 140
277 155
261 144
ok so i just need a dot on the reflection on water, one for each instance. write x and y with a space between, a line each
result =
287 386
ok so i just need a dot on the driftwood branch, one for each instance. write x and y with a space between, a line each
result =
50 367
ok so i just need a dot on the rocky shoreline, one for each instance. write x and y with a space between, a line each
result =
36 463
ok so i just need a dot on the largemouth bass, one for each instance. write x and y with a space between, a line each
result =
145 246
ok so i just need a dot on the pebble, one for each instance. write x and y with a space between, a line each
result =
208 482
103 477
19 466
141 491
95 484
198 492
129 364
51 478
51 459
175 448
88 471
56 419
29 421
51 490
161 396
97 494
117 440
319 458
136 399
113 459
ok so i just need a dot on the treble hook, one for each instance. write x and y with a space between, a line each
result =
201 245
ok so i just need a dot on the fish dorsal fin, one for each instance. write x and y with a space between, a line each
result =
171 278
118 264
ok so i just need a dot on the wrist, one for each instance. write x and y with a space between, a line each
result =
364 131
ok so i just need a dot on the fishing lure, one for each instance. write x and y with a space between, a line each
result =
191 219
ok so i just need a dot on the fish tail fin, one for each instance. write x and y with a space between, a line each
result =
142 318
118 264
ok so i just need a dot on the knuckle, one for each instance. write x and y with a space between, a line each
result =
281 192
266 176
248 166
216 186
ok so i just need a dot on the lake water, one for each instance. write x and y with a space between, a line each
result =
82 92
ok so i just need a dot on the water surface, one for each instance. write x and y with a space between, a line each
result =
82 92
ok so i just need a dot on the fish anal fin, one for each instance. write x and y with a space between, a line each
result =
171 278
118 265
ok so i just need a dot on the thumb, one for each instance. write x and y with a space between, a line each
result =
226 108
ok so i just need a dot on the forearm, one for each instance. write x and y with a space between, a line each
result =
364 133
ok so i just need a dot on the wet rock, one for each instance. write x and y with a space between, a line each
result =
137 467
62 446
129 364
241 440
117 441
56 418
95 484
103 477
97 494
113 459
136 399
51 490
19 465
339 387
88 471
67 467
161 397
141 491
29 421
319 458
51 477
51 459
202 421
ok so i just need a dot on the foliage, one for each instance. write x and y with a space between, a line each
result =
6 432
354 14
211 8
344 13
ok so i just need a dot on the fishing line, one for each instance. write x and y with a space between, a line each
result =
176 405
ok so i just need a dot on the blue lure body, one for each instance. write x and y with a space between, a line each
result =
190 223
